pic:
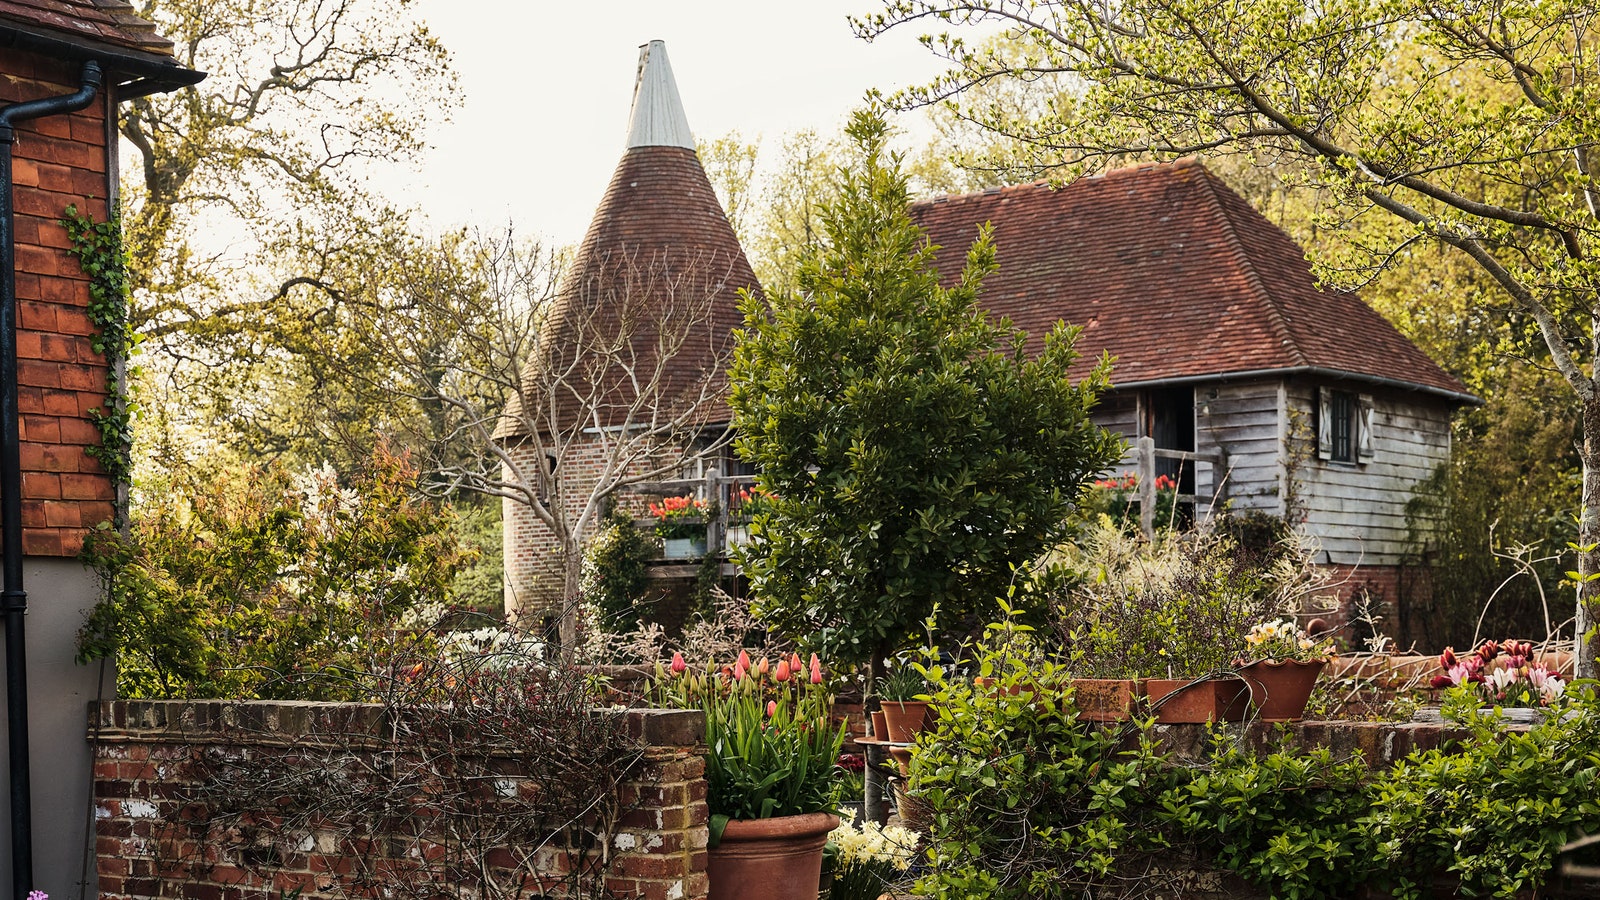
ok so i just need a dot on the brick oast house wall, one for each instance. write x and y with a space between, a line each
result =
146 755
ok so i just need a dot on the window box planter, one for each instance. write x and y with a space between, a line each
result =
1178 701
683 548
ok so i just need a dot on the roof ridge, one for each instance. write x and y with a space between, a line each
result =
1247 264
1182 162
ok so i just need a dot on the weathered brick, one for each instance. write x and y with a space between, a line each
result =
41 486
38 542
41 429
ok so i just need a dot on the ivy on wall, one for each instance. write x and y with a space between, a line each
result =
98 247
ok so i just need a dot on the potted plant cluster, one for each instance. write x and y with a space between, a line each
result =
1165 620
770 771
1283 670
680 524
1501 674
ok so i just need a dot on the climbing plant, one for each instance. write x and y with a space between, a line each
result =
98 247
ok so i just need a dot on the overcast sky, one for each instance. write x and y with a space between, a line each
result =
546 89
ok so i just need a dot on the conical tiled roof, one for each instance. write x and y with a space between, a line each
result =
1174 274
656 280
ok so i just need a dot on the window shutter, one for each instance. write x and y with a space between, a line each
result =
1364 427
1324 423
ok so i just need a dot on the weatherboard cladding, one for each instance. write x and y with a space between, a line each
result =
659 238
103 21
1172 273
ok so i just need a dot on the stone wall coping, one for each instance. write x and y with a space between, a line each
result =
308 722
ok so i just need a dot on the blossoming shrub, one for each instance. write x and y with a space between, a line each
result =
1030 802
1117 498
1283 640
679 517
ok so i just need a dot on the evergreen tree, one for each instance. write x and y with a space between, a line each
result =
918 452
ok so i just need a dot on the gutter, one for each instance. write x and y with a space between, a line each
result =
134 73
1460 397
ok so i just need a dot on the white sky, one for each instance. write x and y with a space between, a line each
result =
546 88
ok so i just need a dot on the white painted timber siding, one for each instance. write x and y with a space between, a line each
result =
1355 513
1242 420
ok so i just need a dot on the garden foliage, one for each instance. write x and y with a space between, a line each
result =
1030 802
915 450
254 582
1176 607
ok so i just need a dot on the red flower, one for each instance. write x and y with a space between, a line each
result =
678 665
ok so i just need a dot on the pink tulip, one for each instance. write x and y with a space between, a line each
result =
795 665
678 665
772 708
744 660
739 671
816 669
763 667
782 674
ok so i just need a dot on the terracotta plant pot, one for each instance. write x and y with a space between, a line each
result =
880 730
770 859
904 718
1279 690
902 755
1177 701
1106 699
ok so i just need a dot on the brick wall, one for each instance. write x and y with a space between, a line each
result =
532 554
58 161
147 754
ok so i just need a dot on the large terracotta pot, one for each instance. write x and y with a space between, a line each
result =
770 859
1279 690
1106 699
1177 701
904 718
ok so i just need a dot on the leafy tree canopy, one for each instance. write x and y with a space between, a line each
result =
916 450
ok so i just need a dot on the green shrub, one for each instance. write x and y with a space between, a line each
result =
1028 801
255 583
616 576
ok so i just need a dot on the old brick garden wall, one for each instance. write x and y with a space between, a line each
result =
150 757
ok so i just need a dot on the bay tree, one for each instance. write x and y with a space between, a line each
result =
918 449
1459 123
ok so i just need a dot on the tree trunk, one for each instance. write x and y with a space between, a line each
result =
571 597
874 805
1589 541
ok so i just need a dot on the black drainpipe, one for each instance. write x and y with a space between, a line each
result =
13 599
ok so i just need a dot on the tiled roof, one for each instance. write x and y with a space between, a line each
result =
109 22
658 243
1174 274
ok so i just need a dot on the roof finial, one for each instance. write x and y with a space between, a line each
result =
657 119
